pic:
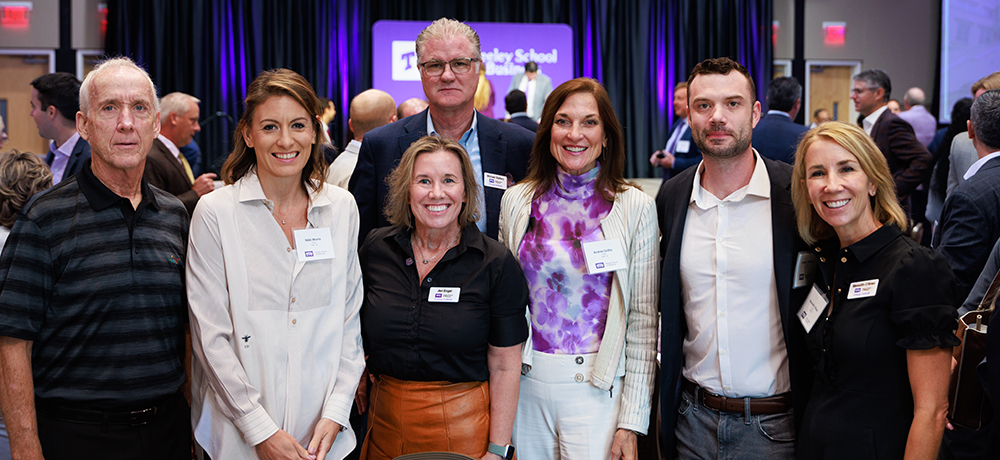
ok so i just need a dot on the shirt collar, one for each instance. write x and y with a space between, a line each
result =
522 114
759 185
101 197
778 112
475 124
176 152
870 120
66 149
868 245
979 164
471 238
249 189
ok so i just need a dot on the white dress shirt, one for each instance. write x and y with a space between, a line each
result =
869 122
176 152
735 345
342 167
528 88
979 164
276 341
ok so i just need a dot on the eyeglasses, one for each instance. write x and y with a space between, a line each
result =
856 91
436 67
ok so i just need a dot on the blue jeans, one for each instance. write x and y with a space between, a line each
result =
704 433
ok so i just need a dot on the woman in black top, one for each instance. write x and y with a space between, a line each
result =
883 342
443 314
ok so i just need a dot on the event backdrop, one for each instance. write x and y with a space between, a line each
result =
638 49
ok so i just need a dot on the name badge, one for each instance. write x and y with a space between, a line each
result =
863 289
683 146
444 294
604 256
805 269
812 308
313 244
497 181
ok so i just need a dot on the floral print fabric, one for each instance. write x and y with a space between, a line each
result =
569 307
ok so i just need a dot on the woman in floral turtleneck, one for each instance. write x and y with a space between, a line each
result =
587 242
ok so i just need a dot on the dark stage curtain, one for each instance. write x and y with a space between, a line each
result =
637 49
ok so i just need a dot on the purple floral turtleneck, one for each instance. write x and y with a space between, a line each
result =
569 307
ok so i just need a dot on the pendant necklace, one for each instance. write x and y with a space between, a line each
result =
426 260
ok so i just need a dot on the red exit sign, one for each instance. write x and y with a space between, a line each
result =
15 14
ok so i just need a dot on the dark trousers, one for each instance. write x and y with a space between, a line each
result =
167 436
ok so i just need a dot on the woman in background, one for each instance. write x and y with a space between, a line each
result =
883 341
590 363
274 289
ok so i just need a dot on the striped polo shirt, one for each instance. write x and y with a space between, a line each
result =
99 288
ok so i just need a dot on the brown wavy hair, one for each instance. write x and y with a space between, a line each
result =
22 175
270 83
542 165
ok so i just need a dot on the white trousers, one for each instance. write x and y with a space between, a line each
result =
561 415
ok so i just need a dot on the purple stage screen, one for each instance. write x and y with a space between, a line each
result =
506 47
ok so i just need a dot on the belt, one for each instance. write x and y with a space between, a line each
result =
140 416
758 406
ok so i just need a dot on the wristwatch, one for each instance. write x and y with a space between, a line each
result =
505 452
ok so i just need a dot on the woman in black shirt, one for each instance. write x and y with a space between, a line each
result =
443 315
882 343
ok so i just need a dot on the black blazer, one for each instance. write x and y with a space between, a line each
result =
909 161
165 172
79 156
672 204
776 137
682 160
504 149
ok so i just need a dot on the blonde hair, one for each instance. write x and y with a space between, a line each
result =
484 92
885 204
22 175
397 204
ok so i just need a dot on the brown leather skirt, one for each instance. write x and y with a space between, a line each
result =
407 417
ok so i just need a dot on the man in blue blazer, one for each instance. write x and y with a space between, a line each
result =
449 57
680 152
777 136
55 100
732 348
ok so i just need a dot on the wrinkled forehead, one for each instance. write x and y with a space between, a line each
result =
121 85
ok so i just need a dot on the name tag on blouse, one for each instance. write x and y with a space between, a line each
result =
444 294
313 244
863 289
604 256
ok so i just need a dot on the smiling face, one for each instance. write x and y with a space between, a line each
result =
121 122
436 191
450 91
282 136
577 134
840 191
722 114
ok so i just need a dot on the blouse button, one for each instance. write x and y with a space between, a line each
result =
843 259
293 299
839 289
579 359
819 249
822 259
578 378
295 321
288 249
428 279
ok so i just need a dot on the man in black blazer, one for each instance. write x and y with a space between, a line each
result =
55 100
680 151
516 104
970 219
449 70
777 136
166 167
727 295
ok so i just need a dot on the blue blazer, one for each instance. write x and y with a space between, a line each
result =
776 137
682 160
79 156
504 149
672 204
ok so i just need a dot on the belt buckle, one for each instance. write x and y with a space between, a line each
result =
133 417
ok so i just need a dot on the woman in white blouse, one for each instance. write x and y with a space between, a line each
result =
274 288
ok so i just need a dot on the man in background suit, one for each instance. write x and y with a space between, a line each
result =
909 161
449 57
535 86
369 110
517 106
680 152
55 100
728 324
166 168
777 136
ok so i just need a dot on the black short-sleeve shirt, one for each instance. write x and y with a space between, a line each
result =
861 403
409 337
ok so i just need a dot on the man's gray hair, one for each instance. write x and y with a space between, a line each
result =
175 102
113 63
445 28
876 78
986 119
914 96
